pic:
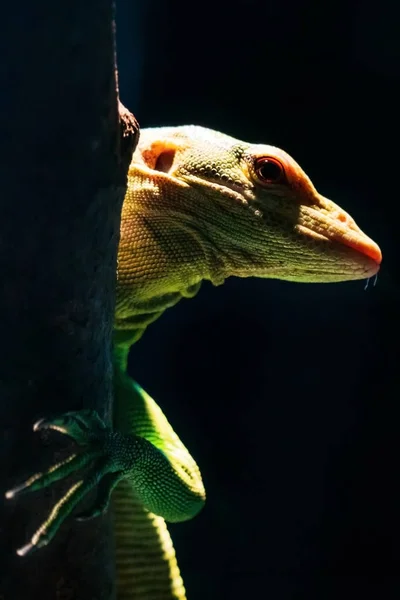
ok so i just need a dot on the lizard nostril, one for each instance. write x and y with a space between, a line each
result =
342 217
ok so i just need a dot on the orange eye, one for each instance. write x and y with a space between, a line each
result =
269 170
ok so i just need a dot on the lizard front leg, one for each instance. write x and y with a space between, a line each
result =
143 449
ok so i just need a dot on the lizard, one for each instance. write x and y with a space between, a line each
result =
200 205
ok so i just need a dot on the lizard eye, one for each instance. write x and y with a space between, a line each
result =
269 170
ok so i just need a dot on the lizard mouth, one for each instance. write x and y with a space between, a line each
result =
361 244
343 232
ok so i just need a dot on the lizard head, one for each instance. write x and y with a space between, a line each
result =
249 208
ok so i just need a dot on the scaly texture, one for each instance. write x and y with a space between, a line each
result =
200 206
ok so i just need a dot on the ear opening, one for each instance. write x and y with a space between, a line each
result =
165 160
159 156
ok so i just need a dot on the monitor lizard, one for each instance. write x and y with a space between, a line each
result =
200 205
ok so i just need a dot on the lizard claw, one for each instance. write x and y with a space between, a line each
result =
82 426
25 550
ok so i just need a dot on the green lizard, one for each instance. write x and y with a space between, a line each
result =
200 205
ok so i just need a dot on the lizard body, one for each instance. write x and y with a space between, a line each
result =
200 205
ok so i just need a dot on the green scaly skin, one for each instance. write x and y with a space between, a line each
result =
200 206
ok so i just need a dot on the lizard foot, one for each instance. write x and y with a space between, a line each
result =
89 431
160 482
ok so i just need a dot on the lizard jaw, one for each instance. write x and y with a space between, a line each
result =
335 225
367 250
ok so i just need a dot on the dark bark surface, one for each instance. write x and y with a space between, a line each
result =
64 154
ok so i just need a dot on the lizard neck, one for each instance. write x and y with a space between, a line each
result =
164 254
134 313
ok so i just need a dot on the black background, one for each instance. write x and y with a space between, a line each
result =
286 394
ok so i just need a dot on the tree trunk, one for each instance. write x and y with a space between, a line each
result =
64 155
